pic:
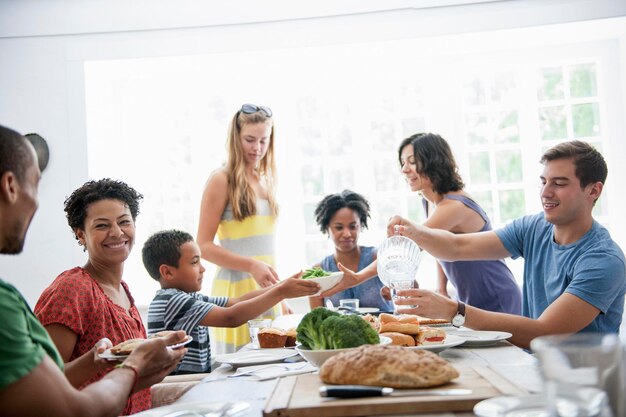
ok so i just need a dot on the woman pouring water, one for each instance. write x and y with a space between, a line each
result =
429 168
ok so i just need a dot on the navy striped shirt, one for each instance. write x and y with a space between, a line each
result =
173 309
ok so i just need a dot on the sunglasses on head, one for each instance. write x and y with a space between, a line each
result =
253 108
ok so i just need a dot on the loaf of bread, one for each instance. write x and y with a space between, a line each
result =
400 339
271 338
388 366
406 324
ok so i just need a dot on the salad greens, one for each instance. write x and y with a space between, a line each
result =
314 273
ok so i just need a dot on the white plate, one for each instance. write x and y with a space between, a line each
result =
451 341
327 282
480 338
256 357
367 310
109 356
519 406
202 407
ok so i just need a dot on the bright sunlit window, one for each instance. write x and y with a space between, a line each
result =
340 112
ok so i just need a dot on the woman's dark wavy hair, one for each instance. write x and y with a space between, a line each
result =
434 159
332 203
92 191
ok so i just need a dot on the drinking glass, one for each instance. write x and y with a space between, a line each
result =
254 326
351 303
582 374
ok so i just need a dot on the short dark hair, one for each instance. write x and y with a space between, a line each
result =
92 191
435 160
590 164
163 248
332 203
41 149
14 153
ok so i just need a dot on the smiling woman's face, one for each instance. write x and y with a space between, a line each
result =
109 232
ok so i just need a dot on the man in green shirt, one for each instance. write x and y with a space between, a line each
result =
32 382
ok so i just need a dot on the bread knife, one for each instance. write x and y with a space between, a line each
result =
356 391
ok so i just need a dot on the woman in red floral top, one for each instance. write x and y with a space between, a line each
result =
86 304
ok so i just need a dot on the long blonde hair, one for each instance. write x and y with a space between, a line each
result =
240 194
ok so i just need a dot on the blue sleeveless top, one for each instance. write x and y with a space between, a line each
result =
367 292
488 285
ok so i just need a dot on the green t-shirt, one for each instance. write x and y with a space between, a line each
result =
23 340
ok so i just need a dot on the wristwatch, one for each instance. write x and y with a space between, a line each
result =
459 318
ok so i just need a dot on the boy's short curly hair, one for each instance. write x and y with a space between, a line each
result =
163 248
92 191
332 203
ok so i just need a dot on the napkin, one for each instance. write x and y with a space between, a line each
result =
274 370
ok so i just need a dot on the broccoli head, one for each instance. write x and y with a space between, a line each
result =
308 331
340 332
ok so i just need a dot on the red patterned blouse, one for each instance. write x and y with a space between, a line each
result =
76 301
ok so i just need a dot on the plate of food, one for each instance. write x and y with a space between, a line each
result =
480 338
436 347
325 279
256 357
124 349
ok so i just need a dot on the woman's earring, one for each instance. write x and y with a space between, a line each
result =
83 245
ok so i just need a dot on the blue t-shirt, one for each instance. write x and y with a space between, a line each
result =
367 292
593 268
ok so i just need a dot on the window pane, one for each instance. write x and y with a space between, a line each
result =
341 142
384 136
474 92
386 175
551 84
583 81
512 204
485 200
309 218
479 168
553 122
340 179
412 126
387 207
416 211
307 107
508 129
586 119
312 180
503 89
310 138
509 166
316 251
477 128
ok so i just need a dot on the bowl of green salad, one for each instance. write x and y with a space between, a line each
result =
325 279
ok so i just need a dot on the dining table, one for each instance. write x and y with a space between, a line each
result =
515 367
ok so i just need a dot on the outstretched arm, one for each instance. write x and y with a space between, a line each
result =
567 314
214 201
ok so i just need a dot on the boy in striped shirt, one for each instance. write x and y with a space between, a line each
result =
172 258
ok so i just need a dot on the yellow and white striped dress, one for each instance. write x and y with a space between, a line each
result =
252 237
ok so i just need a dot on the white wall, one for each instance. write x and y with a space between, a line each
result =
43 46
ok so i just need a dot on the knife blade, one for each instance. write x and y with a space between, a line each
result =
356 391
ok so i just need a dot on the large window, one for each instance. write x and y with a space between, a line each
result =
341 111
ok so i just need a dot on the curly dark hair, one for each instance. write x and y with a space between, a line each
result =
434 159
92 191
332 203
163 248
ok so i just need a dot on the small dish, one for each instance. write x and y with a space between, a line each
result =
318 357
480 338
256 357
327 282
533 405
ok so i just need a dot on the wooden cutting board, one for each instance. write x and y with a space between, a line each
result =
297 396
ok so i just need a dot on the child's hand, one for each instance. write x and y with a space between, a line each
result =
294 287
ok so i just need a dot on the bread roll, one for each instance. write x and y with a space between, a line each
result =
430 336
406 324
389 366
166 333
400 339
271 338
291 337
426 321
